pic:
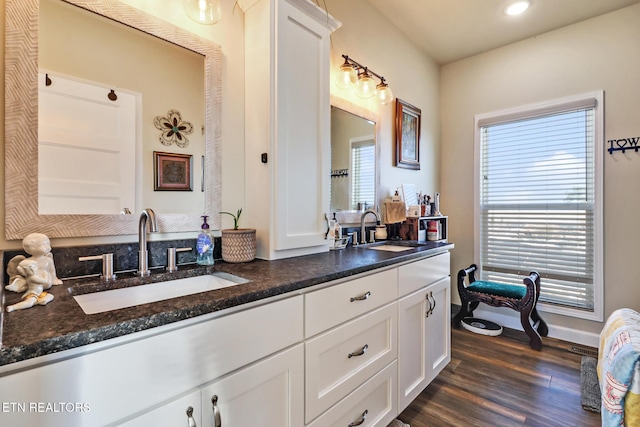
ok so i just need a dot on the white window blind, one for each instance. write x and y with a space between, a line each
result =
537 202
363 165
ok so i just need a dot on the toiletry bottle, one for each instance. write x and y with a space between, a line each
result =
331 234
204 245
337 228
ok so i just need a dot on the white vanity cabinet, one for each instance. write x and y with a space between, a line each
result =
159 374
424 325
287 125
351 350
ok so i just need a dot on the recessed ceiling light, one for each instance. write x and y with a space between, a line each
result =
518 7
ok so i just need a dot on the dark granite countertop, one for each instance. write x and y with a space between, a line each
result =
62 325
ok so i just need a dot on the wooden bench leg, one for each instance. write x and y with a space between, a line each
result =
534 338
466 310
541 327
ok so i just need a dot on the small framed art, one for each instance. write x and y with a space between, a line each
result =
407 135
172 171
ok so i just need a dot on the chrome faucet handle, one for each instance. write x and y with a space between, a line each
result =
107 264
172 265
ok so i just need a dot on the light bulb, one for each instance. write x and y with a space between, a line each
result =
383 92
366 85
346 76
203 11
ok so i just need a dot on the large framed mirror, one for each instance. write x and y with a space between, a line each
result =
355 154
22 212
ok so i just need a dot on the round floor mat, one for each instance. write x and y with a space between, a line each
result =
481 326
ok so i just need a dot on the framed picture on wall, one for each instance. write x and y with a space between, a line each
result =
172 172
407 135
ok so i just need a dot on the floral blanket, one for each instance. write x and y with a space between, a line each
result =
619 370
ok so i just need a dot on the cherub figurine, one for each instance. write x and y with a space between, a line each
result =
37 280
34 276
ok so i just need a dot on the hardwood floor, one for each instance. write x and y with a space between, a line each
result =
501 381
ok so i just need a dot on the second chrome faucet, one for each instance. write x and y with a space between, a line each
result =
147 215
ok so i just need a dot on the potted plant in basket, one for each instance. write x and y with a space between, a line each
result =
238 244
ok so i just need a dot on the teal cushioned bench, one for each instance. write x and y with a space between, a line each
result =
522 298
499 289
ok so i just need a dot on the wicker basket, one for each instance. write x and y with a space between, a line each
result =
239 245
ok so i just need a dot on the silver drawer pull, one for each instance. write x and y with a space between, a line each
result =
360 352
217 421
190 420
360 420
433 305
361 297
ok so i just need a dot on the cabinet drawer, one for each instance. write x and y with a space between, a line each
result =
414 276
331 306
339 361
376 398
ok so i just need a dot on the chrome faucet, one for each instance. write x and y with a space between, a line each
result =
363 236
143 254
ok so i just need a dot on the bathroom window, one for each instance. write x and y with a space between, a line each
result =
539 201
363 166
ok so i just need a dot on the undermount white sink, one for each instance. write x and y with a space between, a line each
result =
102 301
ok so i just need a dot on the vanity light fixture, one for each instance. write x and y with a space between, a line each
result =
203 11
352 74
518 7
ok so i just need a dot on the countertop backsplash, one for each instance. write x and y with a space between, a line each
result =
125 257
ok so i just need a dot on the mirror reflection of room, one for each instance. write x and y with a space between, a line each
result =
84 166
353 162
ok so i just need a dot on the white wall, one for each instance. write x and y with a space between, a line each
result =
600 53
369 38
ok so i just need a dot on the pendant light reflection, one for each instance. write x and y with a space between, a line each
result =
203 11
354 75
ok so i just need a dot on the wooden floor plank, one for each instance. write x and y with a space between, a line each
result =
501 381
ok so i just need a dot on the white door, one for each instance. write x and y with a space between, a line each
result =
86 148
268 393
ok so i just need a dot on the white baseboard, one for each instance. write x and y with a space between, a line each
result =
512 321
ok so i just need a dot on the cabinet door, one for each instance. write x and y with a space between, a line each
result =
303 130
438 328
424 339
172 414
267 393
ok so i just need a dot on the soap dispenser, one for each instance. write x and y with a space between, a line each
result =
205 244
